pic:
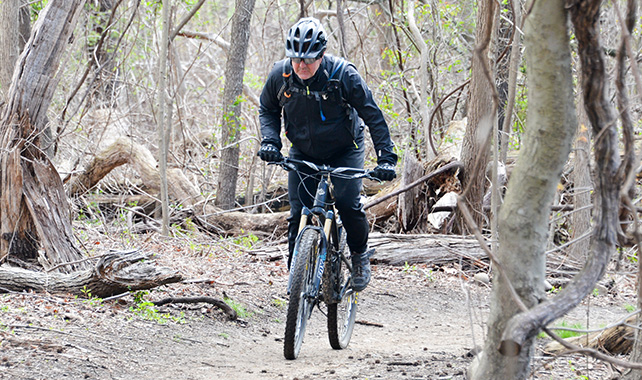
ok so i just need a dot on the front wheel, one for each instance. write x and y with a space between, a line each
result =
301 304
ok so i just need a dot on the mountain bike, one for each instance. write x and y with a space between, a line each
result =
320 271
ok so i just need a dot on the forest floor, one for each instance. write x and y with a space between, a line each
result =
414 322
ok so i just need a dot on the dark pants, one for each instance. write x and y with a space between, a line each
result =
346 192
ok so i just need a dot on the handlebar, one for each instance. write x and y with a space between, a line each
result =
342 172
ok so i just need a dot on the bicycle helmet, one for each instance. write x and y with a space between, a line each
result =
306 39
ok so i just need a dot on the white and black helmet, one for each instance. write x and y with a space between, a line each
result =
306 39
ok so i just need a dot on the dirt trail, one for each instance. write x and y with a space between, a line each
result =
414 323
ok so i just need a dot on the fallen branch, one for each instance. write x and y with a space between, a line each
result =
114 273
231 313
450 166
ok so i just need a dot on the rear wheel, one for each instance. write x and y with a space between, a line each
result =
341 319
341 314
301 305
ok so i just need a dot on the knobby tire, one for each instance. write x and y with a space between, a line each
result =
341 315
299 306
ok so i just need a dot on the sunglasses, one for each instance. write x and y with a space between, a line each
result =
308 61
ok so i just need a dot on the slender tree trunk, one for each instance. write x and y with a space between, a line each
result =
475 149
162 118
523 219
627 166
15 27
103 84
34 212
513 67
424 89
232 101
583 186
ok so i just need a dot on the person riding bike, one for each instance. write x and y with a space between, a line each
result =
326 105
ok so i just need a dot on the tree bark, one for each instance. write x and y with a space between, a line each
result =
164 116
523 219
15 27
35 212
513 67
475 150
114 273
424 89
583 186
234 69
521 329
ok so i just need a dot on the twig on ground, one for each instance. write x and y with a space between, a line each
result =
231 313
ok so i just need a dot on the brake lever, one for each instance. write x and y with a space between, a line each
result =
372 178
288 166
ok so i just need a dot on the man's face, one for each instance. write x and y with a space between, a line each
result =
303 70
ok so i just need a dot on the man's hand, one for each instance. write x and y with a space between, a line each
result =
384 172
270 153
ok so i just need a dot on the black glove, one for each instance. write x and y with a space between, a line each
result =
270 153
384 172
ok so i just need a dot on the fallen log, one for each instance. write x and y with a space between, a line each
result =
125 151
399 250
114 273
615 340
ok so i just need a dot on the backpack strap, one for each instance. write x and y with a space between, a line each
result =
332 89
284 91
339 64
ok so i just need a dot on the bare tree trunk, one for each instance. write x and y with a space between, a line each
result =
342 30
163 119
232 103
520 330
34 213
423 72
523 219
475 150
627 168
583 186
513 67
102 53
15 27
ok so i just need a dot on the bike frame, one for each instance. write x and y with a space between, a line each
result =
321 237
323 210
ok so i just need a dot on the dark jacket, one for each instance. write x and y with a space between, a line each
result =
303 113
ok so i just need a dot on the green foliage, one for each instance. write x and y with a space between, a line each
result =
36 7
278 302
147 310
246 241
564 334
408 268
630 308
238 307
91 300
